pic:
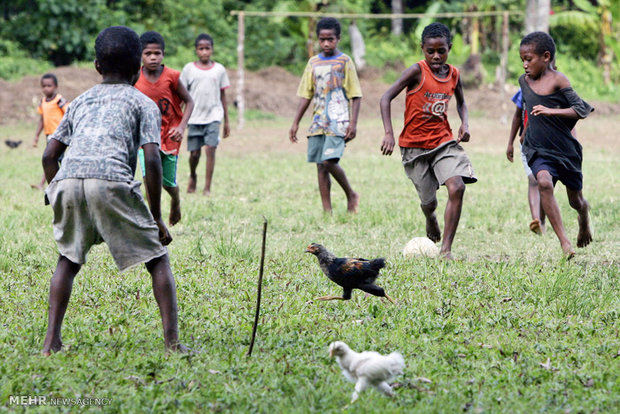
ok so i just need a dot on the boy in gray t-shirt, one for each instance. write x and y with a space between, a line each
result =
93 194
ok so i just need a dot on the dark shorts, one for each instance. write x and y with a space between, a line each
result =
571 179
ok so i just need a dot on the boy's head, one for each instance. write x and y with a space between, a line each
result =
204 47
118 51
537 51
49 84
328 32
436 45
152 50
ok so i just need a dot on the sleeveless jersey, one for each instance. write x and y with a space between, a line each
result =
164 93
426 110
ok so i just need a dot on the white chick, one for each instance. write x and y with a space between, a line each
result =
367 368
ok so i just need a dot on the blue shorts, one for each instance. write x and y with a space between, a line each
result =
571 179
325 147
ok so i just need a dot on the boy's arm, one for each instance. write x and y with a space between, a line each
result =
352 128
52 153
176 132
461 108
39 129
517 120
410 77
301 109
152 180
225 106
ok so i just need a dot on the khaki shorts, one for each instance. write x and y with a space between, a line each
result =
89 211
428 168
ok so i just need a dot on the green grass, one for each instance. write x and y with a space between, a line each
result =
477 328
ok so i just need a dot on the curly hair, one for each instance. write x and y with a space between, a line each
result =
118 50
436 30
328 23
50 76
542 43
203 36
151 38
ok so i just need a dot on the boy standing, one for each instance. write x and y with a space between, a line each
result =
330 81
431 156
206 82
52 108
552 152
162 85
93 194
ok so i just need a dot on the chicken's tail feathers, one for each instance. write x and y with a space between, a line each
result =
377 264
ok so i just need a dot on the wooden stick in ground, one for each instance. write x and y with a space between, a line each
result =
260 287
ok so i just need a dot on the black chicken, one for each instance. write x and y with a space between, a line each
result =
12 144
349 273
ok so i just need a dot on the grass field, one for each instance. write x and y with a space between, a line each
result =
508 327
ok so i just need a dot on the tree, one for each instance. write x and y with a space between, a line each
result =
397 24
537 16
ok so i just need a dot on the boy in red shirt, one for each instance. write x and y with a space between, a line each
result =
431 155
162 85
51 108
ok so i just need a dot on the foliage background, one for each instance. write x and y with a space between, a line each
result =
37 34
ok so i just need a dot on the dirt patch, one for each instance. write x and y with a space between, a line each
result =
270 90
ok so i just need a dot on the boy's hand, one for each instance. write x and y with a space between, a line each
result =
35 142
463 134
176 133
510 152
387 146
226 129
541 110
292 133
164 235
351 133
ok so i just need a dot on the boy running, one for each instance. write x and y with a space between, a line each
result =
162 85
206 82
430 153
93 194
52 108
330 82
552 152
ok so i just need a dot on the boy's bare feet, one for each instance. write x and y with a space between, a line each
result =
175 212
584 237
568 251
432 228
536 227
353 203
191 187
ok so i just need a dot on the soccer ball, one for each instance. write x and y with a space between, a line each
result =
421 246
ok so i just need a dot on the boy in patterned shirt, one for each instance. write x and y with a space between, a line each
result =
330 82
93 194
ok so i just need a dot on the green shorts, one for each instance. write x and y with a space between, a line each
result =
325 147
429 168
168 167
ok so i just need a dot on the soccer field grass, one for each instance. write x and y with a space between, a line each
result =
510 326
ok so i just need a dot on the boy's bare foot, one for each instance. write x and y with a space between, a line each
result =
353 203
568 251
584 237
175 212
446 255
206 192
191 187
36 186
536 227
178 347
55 346
432 228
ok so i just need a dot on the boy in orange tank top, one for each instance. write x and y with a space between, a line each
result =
51 108
430 153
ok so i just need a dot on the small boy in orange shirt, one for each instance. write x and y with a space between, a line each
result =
51 108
